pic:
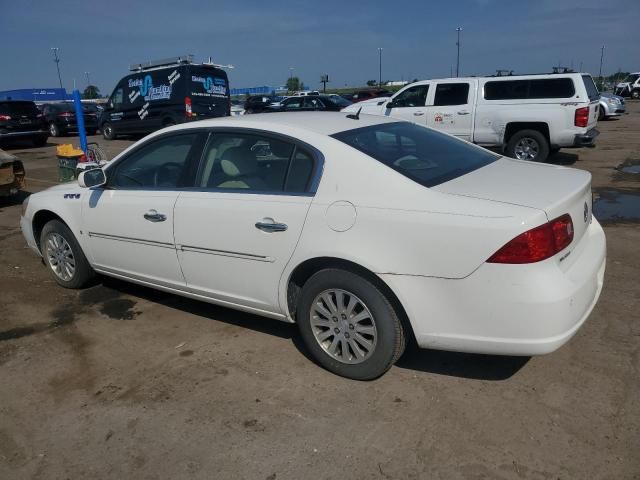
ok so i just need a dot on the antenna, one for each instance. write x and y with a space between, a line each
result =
355 116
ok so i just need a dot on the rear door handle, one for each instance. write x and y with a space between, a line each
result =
463 112
269 225
154 216
418 114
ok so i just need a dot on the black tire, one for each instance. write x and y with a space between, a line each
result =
54 130
635 93
601 116
83 272
538 138
390 342
108 132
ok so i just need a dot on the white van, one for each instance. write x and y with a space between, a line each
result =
529 116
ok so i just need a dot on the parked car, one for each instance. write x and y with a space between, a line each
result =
361 95
630 86
237 108
165 92
61 118
333 103
21 120
304 93
261 103
610 106
529 116
364 230
12 174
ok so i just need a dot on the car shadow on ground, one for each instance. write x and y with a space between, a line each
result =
563 158
16 199
463 365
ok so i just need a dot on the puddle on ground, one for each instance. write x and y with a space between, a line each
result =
630 169
616 205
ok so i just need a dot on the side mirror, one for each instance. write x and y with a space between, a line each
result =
92 178
390 104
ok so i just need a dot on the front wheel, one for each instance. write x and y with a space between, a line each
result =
63 256
54 130
528 145
349 325
108 132
635 93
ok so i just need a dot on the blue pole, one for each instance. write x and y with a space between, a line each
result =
80 120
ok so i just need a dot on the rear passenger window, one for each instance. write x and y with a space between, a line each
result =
529 89
451 94
254 163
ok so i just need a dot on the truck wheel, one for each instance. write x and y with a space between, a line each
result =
349 325
635 94
601 116
64 257
108 132
528 145
54 130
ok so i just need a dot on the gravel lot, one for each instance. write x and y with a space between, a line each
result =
118 381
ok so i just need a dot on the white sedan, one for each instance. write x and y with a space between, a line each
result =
366 231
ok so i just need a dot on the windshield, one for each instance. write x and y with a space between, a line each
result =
632 78
421 154
18 108
339 101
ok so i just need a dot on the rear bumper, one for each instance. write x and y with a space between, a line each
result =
586 139
507 309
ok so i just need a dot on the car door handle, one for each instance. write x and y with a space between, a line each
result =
269 225
418 114
463 112
154 216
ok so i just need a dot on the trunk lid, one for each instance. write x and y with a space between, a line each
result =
552 189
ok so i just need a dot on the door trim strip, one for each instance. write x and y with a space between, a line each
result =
119 238
225 253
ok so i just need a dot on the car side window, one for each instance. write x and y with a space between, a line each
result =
248 162
293 104
311 102
160 164
451 94
118 97
412 97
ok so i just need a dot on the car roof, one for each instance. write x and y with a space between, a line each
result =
324 123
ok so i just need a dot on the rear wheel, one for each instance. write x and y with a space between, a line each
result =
64 257
54 130
349 325
108 132
528 145
635 93
601 115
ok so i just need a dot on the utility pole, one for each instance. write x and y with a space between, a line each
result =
380 67
459 29
601 58
324 79
57 60
88 81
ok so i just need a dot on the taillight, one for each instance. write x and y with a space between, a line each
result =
582 117
187 107
66 115
537 244
5 117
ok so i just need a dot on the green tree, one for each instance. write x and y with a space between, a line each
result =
293 84
91 92
372 83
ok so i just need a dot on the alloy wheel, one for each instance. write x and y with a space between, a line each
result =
60 257
526 149
343 326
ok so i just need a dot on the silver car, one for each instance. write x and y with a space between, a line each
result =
610 106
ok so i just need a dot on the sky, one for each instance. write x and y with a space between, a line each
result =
266 41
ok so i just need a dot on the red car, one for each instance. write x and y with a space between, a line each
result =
367 94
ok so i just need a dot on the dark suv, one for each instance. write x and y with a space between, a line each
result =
61 118
260 103
20 119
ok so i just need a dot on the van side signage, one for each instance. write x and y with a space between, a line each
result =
147 90
214 86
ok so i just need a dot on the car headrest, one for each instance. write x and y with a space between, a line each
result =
280 149
238 161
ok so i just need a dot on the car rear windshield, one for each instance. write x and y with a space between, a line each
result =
421 154
18 108
592 90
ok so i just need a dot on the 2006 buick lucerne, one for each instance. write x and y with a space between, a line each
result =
364 230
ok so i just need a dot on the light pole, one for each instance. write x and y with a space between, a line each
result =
290 79
88 81
380 67
459 29
601 58
57 60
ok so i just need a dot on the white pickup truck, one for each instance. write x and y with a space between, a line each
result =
529 116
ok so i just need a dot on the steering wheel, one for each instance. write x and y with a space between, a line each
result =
167 175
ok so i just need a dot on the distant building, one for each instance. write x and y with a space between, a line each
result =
396 83
36 94
264 90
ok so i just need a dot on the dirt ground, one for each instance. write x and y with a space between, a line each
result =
118 381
